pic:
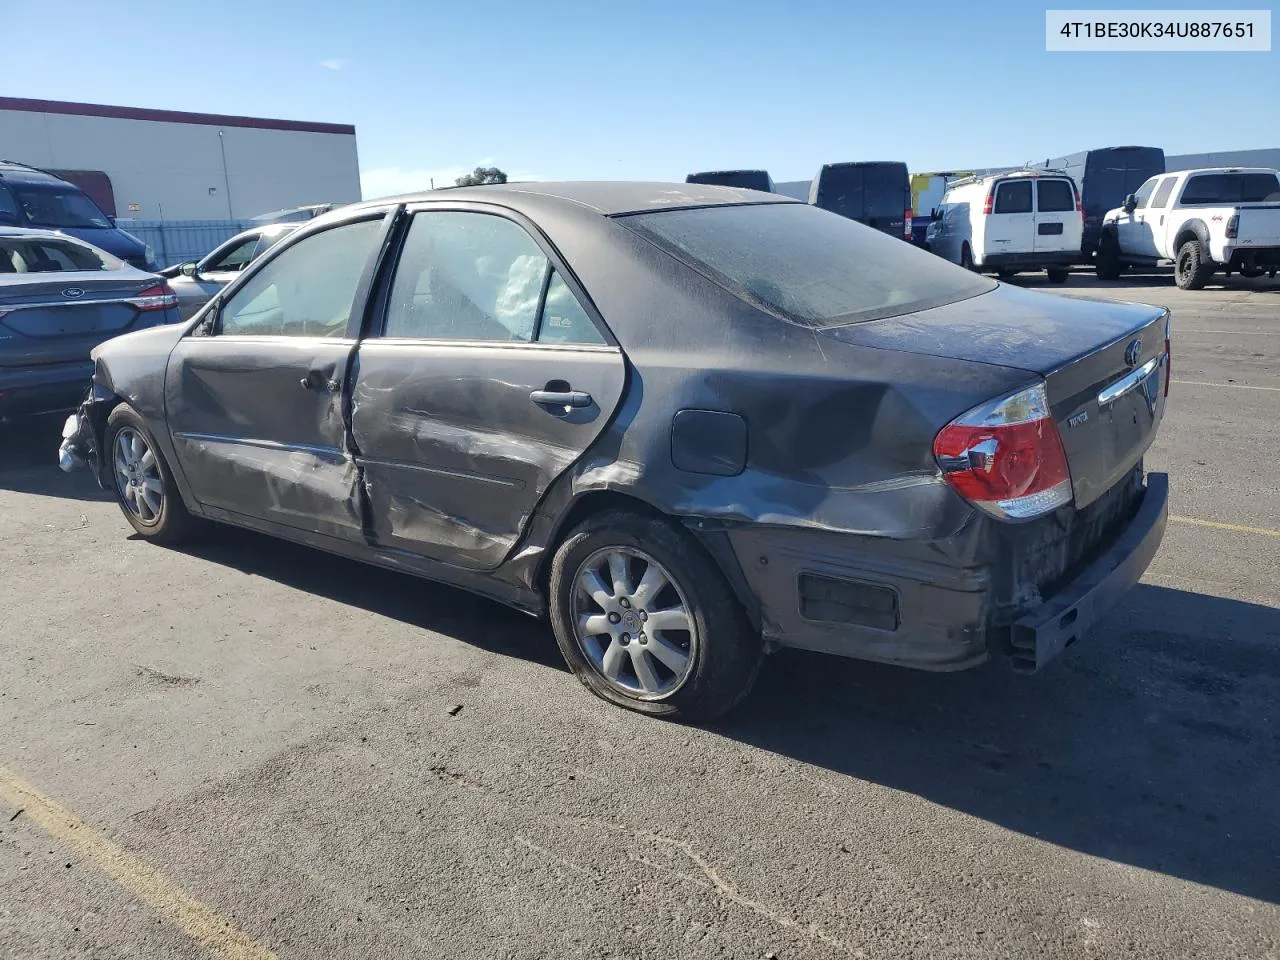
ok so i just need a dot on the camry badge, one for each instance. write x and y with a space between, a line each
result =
1132 352
73 293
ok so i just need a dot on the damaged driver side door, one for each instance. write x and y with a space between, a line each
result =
255 400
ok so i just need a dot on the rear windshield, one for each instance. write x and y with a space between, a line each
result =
864 191
1221 188
1111 175
747 179
1054 196
807 265
51 256
59 208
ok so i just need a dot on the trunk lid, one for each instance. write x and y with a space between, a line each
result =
1106 394
61 317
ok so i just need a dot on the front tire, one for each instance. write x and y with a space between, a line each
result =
614 579
142 480
1189 270
1108 265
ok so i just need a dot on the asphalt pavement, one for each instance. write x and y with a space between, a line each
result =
244 748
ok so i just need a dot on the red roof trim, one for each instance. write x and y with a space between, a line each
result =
168 116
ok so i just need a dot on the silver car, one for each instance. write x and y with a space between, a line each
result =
196 282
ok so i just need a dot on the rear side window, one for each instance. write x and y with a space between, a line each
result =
1208 189
1144 193
1055 196
466 276
1013 196
806 265
1160 199
51 256
563 319
309 290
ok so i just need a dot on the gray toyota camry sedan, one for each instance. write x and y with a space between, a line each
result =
686 423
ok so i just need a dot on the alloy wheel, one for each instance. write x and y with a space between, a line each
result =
633 623
138 476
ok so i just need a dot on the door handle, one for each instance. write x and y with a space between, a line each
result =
560 398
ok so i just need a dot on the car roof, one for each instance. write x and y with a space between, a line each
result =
606 197
37 233
21 173
1225 170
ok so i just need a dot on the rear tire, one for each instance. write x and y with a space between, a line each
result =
1058 274
699 671
142 481
1006 274
1189 271
1107 265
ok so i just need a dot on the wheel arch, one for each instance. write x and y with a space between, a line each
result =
711 537
1192 230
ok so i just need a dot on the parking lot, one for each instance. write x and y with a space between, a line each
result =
245 748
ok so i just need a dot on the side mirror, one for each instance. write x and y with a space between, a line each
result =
188 269
1130 203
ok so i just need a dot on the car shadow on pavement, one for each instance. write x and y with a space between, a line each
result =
474 620
1153 742
29 462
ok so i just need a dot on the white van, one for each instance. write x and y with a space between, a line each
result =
1010 222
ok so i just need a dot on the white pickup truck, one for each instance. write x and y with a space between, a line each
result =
1205 220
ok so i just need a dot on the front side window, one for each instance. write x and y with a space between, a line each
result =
1160 199
466 276
236 258
1055 196
807 265
1144 193
309 290
60 208
1013 197
8 206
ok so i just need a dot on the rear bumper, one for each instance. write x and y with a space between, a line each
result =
1031 261
26 391
1040 635
902 602
1251 256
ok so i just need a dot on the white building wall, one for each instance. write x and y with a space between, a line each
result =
189 171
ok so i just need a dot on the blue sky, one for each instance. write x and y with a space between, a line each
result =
651 90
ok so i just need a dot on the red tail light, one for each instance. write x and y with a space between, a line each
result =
159 297
990 201
906 224
1006 457
1233 226
1079 202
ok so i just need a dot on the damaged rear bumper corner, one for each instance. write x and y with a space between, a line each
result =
1043 633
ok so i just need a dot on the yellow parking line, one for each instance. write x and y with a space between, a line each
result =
1238 386
1233 527
211 930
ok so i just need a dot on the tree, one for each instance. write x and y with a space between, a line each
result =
482 175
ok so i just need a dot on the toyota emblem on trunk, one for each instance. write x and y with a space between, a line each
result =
73 293
1132 352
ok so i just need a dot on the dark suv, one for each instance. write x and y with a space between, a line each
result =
30 197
